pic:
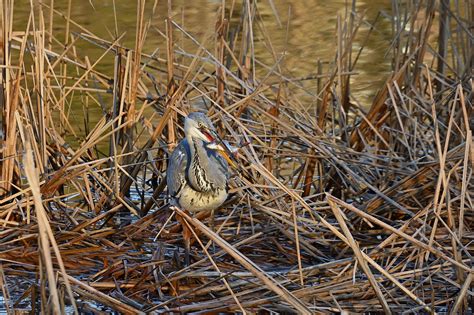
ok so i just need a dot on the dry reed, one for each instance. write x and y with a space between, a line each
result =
335 207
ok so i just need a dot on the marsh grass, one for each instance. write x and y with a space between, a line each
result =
335 206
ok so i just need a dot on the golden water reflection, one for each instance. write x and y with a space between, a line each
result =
311 32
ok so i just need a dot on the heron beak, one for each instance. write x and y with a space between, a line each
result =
221 147
208 134
205 134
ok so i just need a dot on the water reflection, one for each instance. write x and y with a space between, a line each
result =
311 34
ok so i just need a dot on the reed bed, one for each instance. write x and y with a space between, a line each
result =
336 206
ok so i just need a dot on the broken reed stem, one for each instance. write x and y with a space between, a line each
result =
360 259
45 233
248 264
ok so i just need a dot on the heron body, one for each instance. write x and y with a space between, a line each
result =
197 174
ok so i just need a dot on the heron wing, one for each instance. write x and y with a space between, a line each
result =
176 171
221 163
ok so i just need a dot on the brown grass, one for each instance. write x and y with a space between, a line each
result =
335 207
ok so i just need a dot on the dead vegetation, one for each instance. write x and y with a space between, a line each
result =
336 206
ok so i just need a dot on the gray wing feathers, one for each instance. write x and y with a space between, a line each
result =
222 164
177 169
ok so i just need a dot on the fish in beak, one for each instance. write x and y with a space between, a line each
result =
224 149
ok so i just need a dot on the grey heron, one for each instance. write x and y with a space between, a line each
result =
198 170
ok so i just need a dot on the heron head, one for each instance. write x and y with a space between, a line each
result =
199 126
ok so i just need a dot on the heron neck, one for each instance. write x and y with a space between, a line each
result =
202 174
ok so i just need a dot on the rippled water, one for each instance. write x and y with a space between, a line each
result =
311 32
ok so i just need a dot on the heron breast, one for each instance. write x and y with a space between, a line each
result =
193 200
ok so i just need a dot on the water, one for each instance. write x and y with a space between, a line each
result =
311 33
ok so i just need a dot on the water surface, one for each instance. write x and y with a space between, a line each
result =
304 30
